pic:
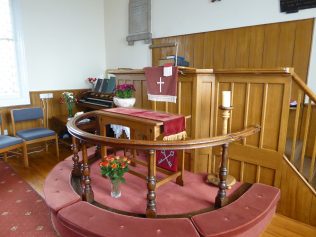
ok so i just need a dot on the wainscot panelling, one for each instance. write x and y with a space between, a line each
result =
55 108
286 44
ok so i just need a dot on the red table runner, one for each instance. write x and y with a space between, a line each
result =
174 129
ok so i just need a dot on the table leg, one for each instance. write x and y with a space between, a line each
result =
220 199
102 131
87 194
179 179
76 166
134 153
151 186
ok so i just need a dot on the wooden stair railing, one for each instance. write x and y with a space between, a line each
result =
303 129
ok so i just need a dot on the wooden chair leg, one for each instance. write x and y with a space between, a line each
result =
25 156
57 148
5 156
46 146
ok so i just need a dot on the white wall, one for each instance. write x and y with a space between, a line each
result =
203 15
119 54
64 42
312 64
178 17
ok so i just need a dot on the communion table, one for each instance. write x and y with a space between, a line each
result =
149 125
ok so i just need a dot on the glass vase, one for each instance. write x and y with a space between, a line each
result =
70 111
115 188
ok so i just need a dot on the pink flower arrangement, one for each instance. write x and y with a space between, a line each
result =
124 90
92 80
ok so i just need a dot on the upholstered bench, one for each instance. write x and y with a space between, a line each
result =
84 219
71 217
247 216
57 188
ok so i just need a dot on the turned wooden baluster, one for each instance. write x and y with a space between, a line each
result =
151 185
220 199
76 165
87 193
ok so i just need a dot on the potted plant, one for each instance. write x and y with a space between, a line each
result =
92 81
114 167
124 95
69 99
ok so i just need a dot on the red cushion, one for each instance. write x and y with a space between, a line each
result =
240 216
90 220
57 188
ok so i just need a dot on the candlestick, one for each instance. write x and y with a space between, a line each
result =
222 179
226 102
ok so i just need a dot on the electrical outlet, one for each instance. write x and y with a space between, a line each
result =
43 96
46 96
5 132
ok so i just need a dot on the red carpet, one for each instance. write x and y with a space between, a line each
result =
22 211
171 198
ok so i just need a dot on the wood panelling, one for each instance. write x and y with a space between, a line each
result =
55 108
297 200
286 44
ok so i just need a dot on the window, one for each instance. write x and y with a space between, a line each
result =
13 83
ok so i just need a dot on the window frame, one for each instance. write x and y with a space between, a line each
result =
24 95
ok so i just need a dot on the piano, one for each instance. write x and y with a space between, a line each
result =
101 97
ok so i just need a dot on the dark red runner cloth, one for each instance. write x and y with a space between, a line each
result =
159 87
172 123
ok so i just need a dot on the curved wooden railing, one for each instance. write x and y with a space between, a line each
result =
151 146
75 131
302 133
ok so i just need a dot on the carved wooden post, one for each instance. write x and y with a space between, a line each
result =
76 165
225 116
102 132
221 194
97 152
87 193
151 185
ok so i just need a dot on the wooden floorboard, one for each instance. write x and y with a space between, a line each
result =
41 164
282 226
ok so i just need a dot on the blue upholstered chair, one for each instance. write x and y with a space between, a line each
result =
33 135
8 143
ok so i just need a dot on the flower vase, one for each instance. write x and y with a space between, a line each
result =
115 188
70 111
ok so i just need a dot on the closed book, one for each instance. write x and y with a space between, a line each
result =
173 57
182 63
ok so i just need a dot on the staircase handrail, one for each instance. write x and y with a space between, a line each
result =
303 86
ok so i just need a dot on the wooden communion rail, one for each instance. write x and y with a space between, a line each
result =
150 147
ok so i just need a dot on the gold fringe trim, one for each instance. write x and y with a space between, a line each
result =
176 137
